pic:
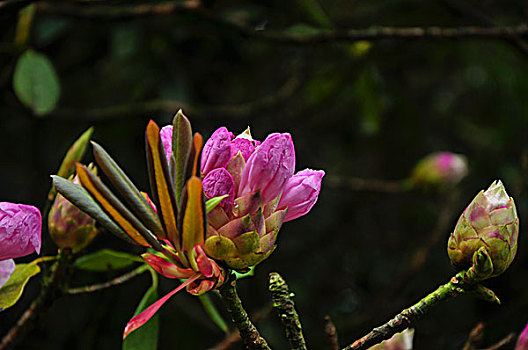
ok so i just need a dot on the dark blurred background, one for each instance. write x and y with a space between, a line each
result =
355 109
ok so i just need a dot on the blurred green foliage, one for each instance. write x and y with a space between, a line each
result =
355 109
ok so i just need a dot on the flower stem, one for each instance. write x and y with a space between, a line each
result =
114 282
460 284
248 332
50 291
283 303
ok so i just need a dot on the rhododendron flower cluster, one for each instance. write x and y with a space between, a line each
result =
261 192
250 186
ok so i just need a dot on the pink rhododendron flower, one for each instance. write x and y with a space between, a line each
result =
522 342
166 140
20 229
6 269
262 193
218 183
217 150
269 167
301 192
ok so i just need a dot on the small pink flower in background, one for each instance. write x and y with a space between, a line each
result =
441 169
301 192
6 269
20 228
522 342
399 341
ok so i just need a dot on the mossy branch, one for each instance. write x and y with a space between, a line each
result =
283 303
248 332
460 284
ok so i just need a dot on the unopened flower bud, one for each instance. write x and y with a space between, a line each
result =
217 150
301 193
20 230
68 226
439 170
218 183
6 269
487 230
522 342
269 167
399 341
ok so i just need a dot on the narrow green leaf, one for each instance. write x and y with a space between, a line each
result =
212 312
36 83
145 337
12 290
80 197
213 202
128 190
105 260
181 148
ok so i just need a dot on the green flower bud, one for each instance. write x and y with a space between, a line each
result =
68 226
485 236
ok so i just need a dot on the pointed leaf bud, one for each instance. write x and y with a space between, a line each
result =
301 193
489 222
438 170
522 342
6 269
217 150
217 183
269 167
20 229
68 226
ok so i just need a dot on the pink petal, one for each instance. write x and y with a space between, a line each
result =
6 269
166 268
140 319
269 167
20 230
217 150
217 183
166 140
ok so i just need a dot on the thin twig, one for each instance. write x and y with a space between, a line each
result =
50 291
475 337
331 333
283 303
368 185
458 285
248 332
420 255
114 282
121 12
239 110
476 13
505 341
